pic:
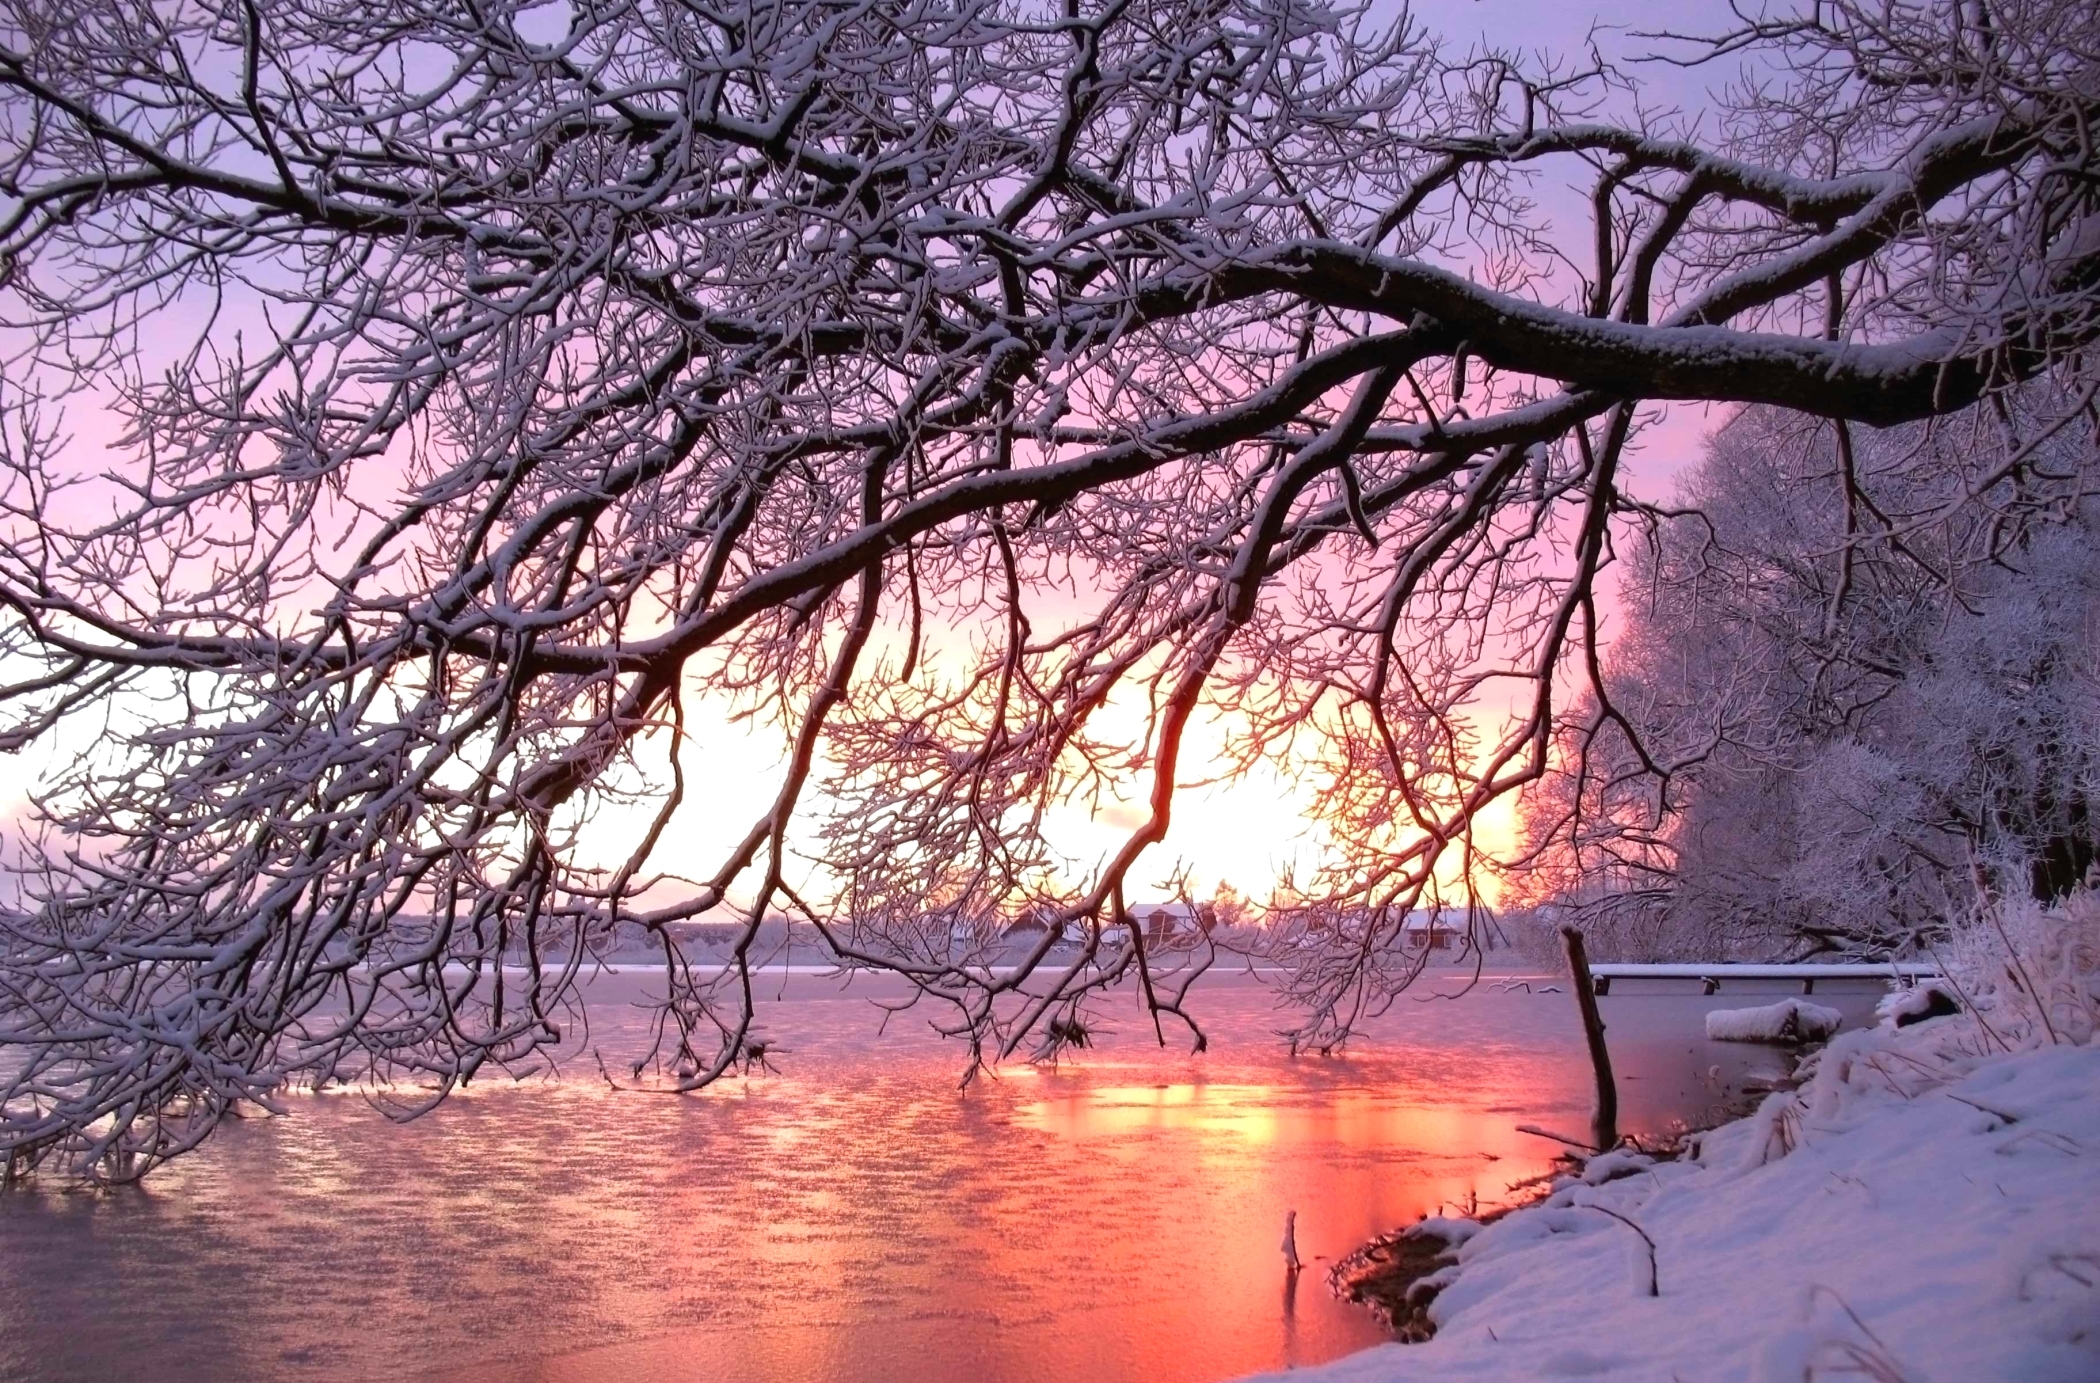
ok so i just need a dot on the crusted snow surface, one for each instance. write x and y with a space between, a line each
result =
1789 1020
1911 1214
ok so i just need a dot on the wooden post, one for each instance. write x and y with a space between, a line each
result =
1604 1125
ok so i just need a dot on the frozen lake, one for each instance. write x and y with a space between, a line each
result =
854 1217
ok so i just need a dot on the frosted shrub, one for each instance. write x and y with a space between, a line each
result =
1821 769
2032 973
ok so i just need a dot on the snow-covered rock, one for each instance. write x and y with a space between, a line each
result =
1900 1008
1789 1020
1916 1212
1611 1166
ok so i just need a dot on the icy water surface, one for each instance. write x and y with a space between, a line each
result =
854 1217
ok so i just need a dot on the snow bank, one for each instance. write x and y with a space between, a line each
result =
1919 1211
1789 1020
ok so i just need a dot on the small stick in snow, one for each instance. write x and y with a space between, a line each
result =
1290 1242
1994 1113
1654 1286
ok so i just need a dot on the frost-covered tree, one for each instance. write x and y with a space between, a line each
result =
461 394
1840 731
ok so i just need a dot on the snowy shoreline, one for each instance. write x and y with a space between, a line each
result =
1916 1213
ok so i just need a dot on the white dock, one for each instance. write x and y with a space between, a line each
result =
1712 976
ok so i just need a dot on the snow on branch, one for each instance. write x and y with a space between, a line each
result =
412 419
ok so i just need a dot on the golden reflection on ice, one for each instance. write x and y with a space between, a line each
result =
1233 1111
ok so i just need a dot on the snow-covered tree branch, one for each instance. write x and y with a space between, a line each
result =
473 393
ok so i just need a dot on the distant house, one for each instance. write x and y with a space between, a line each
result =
1419 932
1174 921
1423 931
1031 926
967 932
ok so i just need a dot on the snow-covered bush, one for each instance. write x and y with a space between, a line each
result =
2031 973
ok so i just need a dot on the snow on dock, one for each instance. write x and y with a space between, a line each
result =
1712 975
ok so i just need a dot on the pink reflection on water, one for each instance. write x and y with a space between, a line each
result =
855 1217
